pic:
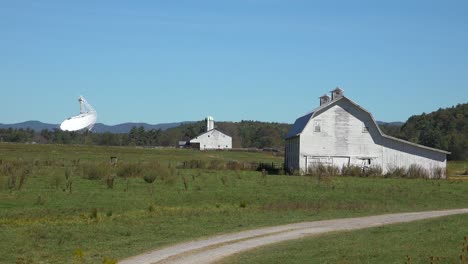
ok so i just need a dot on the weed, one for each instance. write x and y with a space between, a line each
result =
416 171
438 173
39 200
56 181
243 204
185 182
79 256
351 170
149 178
107 260
94 215
372 171
23 260
68 180
23 175
130 170
110 182
109 213
225 180
395 171
216 165
96 171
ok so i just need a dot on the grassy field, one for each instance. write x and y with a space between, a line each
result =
41 220
404 243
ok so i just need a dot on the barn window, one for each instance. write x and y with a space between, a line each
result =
317 126
365 129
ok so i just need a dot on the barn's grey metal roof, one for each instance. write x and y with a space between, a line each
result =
302 122
299 125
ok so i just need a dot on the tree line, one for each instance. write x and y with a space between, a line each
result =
245 134
445 129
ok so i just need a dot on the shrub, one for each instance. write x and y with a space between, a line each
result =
234 165
351 170
40 200
372 171
216 165
96 171
416 171
130 170
394 171
243 204
110 182
56 181
225 180
321 170
94 214
193 164
185 182
149 177
438 173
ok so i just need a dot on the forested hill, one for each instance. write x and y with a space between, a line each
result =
445 129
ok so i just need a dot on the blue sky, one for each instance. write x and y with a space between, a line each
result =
166 61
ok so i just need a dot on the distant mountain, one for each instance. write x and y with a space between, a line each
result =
34 125
126 127
381 123
98 128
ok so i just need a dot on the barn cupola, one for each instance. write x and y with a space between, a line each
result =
337 93
324 99
209 123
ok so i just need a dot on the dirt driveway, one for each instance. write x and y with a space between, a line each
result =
212 249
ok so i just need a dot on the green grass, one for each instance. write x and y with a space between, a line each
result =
443 238
457 168
44 222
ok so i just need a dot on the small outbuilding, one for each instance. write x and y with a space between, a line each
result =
212 138
341 133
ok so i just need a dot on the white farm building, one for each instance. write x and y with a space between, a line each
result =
341 133
212 138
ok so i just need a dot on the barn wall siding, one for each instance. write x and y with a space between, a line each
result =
213 140
292 154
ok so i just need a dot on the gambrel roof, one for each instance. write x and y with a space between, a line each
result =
301 123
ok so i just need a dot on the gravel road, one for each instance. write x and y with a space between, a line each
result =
213 249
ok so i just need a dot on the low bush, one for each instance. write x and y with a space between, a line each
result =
416 171
438 173
217 165
321 170
130 170
395 171
95 171
372 171
351 170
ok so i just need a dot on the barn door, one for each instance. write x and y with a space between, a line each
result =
340 162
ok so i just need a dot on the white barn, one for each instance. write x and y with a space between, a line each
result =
341 133
212 138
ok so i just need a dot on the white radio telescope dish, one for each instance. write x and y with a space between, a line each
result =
84 121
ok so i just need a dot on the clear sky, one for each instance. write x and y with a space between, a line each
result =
166 61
